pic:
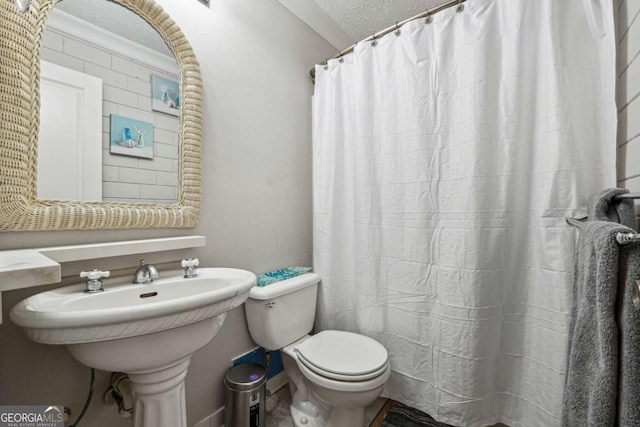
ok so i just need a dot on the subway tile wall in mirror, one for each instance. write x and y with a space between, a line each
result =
131 163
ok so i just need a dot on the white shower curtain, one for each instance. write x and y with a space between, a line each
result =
445 160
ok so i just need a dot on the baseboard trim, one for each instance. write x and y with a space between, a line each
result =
214 420
276 382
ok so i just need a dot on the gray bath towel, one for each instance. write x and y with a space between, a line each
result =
591 385
628 318
629 338
601 207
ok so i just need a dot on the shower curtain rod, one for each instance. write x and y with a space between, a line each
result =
427 14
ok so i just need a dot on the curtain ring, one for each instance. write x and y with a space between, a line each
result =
460 6
397 31
374 42
428 19
326 65
340 58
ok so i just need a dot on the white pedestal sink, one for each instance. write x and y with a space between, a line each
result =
148 331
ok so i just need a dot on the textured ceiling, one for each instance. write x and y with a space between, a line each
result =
116 19
362 18
358 18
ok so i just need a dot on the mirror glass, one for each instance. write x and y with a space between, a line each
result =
110 107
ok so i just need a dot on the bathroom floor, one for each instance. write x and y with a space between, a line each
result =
278 409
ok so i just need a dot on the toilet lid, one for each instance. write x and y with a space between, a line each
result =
343 355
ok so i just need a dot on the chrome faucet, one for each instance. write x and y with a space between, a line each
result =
145 273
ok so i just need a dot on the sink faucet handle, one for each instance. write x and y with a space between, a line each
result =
94 274
190 262
189 266
94 284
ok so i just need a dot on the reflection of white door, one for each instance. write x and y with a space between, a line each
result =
70 138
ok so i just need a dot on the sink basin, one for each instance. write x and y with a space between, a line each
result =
148 331
69 315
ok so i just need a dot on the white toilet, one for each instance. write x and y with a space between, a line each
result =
333 375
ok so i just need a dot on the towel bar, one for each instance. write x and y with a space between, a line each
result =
621 238
624 238
625 196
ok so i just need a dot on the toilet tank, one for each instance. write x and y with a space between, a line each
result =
282 312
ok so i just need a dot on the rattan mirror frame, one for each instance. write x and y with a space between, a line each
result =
20 209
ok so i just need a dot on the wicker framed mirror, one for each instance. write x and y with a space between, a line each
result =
20 207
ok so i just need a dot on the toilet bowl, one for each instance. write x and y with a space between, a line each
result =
334 391
333 375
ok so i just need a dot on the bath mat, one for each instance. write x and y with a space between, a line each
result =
404 416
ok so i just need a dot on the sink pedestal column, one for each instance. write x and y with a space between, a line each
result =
156 364
160 398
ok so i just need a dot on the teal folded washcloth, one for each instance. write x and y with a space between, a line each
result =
278 275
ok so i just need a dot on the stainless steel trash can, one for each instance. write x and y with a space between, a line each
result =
245 390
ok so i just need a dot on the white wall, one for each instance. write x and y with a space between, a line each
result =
628 96
126 92
255 58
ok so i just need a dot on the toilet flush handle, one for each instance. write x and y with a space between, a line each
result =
270 304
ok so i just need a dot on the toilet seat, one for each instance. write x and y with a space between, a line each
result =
340 377
343 356
348 386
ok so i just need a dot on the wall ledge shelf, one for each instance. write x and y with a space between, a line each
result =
120 248
27 268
